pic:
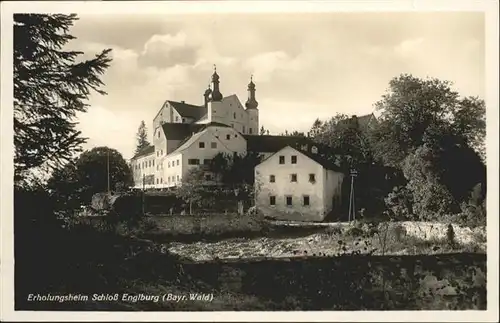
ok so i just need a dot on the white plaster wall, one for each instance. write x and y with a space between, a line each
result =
231 112
172 168
283 186
332 183
143 169
236 144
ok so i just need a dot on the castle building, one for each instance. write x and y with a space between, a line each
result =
295 179
186 135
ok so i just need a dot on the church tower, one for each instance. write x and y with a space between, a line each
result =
206 96
216 95
251 109
215 106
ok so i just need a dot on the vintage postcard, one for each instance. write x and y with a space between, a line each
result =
249 161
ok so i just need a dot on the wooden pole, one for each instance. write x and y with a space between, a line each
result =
107 163
352 208
350 199
143 193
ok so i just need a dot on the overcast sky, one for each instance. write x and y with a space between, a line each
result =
305 66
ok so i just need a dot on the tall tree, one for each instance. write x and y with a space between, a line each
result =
50 86
262 131
142 137
78 181
343 134
436 137
317 128
416 110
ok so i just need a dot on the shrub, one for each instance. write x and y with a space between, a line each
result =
450 236
399 203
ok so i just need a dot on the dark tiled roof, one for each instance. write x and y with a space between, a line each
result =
272 144
322 159
184 131
145 151
180 131
363 121
189 110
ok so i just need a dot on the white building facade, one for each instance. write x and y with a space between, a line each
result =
297 184
186 135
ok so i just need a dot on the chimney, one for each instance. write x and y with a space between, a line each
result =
183 101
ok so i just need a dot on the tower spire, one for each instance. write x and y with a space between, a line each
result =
215 95
251 101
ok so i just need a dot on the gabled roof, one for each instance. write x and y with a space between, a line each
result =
365 120
145 151
195 132
319 157
188 110
187 142
180 131
271 144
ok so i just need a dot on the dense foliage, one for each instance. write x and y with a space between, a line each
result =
424 154
76 182
50 86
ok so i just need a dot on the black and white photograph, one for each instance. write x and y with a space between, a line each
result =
227 160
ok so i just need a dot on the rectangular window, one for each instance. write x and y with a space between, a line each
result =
243 129
289 201
213 145
177 162
153 162
312 178
201 144
293 178
228 137
206 161
272 200
294 159
168 179
250 130
282 159
272 178
161 180
306 200
193 161
176 119
157 153
157 181
177 177
168 165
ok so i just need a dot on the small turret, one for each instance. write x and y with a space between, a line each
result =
215 95
251 101
206 95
